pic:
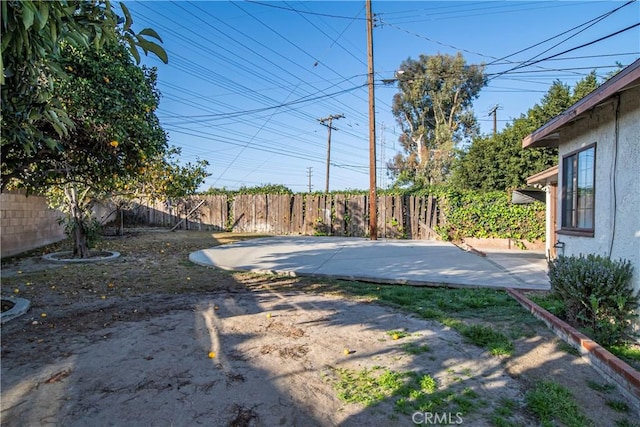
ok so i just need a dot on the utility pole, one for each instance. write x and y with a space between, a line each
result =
494 111
329 128
373 202
309 169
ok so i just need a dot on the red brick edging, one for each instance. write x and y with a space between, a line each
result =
627 378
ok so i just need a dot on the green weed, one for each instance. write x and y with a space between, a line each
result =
603 388
415 349
552 404
617 405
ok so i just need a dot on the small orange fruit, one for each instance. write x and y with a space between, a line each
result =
114 143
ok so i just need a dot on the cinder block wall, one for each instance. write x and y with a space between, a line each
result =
26 223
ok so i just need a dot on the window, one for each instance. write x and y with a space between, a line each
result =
578 190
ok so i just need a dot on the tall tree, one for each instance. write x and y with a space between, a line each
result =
499 162
433 109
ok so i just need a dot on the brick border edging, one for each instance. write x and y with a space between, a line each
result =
608 365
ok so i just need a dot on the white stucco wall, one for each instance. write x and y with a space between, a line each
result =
617 189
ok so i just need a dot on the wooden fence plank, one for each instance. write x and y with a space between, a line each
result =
339 220
297 214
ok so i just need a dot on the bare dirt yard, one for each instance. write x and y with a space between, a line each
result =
150 339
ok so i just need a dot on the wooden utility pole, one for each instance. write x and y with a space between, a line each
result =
329 127
373 198
494 111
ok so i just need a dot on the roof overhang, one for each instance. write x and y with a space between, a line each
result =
547 135
548 176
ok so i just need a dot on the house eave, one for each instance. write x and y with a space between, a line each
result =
547 176
547 135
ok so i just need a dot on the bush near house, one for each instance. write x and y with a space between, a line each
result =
597 294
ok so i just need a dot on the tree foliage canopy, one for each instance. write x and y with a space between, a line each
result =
110 103
498 162
33 34
433 109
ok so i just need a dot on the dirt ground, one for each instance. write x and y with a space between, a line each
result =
151 339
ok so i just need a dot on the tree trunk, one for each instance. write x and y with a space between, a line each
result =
80 246
79 228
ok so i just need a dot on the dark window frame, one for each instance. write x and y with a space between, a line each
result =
570 225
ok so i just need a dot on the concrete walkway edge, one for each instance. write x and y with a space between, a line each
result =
609 366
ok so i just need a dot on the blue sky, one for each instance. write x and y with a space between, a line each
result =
247 81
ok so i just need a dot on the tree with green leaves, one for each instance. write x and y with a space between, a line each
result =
433 109
498 162
162 177
111 103
77 112
33 32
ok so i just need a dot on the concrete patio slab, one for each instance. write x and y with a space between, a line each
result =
415 262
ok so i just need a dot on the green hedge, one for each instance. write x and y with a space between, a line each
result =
490 214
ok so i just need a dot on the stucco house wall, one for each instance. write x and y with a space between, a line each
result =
617 179
609 120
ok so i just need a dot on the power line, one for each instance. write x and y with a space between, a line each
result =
305 12
568 50
588 23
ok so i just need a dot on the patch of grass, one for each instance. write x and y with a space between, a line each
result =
567 348
553 403
506 407
601 387
629 353
617 405
369 386
484 336
415 349
550 302
503 412
452 306
413 391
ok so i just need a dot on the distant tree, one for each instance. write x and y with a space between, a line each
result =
433 109
162 177
499 162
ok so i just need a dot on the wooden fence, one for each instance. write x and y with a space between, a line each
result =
408 217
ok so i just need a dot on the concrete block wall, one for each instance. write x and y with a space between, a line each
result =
26 222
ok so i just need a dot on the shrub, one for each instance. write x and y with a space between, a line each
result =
597 293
